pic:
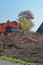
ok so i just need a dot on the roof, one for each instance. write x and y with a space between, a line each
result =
40 29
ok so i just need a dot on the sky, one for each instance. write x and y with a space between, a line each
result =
9 10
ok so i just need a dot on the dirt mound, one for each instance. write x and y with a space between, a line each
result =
28 46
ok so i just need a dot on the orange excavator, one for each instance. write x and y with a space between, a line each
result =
12 26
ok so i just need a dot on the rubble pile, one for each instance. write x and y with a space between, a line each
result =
28 46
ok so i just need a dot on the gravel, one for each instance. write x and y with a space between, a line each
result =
5 62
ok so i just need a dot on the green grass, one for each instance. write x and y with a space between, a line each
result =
17 60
